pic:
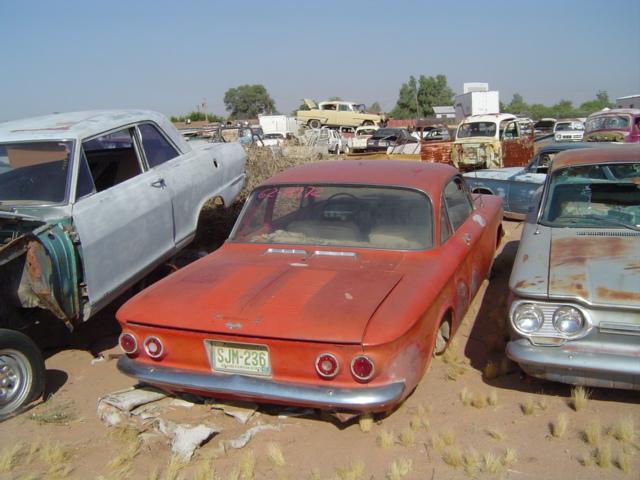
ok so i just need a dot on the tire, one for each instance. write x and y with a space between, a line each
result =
21 372
443 336
314 123
367 123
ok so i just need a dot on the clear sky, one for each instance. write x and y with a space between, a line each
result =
169 56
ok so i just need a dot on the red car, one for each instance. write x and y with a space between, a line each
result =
339 282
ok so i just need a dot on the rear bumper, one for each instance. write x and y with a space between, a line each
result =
571 365
371 399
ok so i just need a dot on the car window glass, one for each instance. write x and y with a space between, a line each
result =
112 159
157 149
343 108
458 203
85 182
445 226
511 130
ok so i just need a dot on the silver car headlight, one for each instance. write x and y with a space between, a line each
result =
527 318
568 320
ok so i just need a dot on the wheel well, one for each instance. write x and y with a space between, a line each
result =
483 191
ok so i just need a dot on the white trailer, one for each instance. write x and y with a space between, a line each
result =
279 124
476 103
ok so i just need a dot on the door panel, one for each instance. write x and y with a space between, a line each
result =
123 230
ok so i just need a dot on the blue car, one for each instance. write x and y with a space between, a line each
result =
517 185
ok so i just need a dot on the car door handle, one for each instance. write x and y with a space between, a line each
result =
466 238
159 183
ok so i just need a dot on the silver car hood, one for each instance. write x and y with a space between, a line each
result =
595 266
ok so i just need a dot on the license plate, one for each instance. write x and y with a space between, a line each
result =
239 358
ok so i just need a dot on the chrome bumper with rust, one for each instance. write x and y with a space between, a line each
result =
265 390
573 366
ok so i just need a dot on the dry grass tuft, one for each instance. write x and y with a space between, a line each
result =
479 400
315 474
385 439
579 398
453 457
275 455
407 438
56 456
206 471
491 464
448 437
492 398
490 370
399 469
593 433
472 461
603 456
496 434
366 422
174 466
457 366
623 462
466 397
528 405
424 409
247 464
437 443
355 471
128 437
10 457
55 414
543 403
415 423
560 425
624 430
509 457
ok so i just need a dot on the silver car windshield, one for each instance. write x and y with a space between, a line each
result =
340 215
477 129
594 196
34 172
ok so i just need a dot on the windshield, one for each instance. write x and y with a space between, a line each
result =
594 196
477 129
608 122
564 126
34 172
342 215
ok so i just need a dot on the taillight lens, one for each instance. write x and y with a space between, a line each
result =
362 368
154 347
327 365
128 343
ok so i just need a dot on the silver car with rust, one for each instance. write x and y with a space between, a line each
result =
575 284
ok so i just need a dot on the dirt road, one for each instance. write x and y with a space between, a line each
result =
512 426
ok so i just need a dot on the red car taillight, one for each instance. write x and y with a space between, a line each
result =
154 347
327 365
128 343
362 368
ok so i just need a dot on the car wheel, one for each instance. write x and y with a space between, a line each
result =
442 338
314 123
367 123
21 372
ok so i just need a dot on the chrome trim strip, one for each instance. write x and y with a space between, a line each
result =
328 253
358 399
288 251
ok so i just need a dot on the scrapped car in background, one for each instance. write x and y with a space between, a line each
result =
358 143
90 202
544 126
491 141
575 284
337 114
568 130
385 139
615 125
339 282
517 185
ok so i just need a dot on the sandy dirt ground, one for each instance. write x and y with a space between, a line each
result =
512 427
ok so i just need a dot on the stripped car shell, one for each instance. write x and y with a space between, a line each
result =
575 311
491 141
368 264
91 202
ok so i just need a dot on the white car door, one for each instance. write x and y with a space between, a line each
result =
125 225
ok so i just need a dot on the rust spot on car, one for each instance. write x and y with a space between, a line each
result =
525 258
569 251
618 294
436 151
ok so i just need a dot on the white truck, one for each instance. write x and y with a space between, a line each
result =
282 124
476 99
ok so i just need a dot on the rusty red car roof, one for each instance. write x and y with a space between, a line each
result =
590 156
429 177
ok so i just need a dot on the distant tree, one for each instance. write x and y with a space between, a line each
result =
407 104
198 117
334 99
590 106
417 99
375 108
247 101
516 106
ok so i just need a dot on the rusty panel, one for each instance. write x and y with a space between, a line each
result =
436 152
517 153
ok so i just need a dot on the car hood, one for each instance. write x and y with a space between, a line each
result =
599 267
326 300
495 173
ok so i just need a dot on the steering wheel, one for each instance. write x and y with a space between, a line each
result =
353 200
